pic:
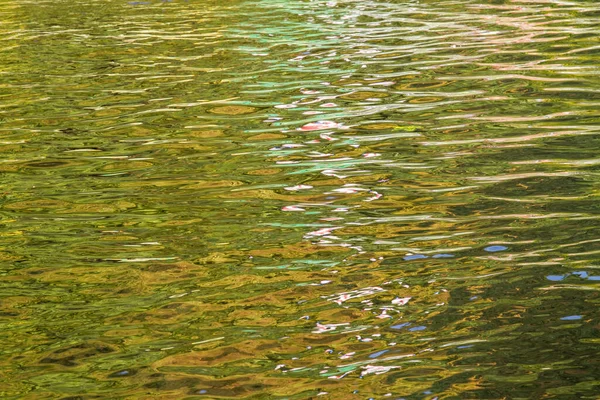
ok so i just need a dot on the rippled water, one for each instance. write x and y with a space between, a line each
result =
295 199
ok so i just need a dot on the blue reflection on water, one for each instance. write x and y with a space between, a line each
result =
581 274
418 328
400 326
379 353
443 255
572 318
493 249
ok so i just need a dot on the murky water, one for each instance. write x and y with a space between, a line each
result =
295 199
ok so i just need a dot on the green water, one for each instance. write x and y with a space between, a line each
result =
294 199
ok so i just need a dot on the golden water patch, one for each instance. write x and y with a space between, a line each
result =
297 250
66 207
265 171
379 126
233 110
190 146
170 313
8 257
157 183
215 258
10 167
126 165
139 131
267 136
241 280
10 148
37 204
424 100
251 318
125 333
213 184
269 195
421 85
226 354
181 222
118 238
207 134
93 208
362 95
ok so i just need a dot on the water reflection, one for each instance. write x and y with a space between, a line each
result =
292 199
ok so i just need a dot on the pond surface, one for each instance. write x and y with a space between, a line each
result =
294 199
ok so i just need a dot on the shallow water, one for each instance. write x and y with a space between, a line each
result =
299 199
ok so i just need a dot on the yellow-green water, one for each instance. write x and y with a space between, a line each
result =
299 199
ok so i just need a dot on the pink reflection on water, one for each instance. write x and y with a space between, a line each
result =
319 125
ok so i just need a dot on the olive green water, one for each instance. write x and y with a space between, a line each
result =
294 199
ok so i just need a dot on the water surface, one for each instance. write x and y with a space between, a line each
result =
299 199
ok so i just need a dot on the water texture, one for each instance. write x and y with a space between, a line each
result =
269 199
